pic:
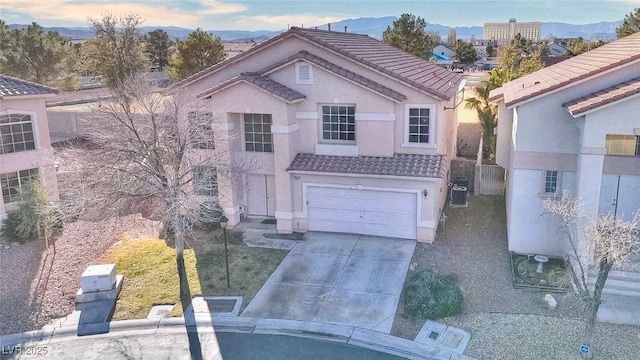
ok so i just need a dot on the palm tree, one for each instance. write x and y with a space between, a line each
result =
487 112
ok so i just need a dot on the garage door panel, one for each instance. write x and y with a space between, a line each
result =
382 213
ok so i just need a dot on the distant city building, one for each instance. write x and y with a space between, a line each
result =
504 32
434 35
451 37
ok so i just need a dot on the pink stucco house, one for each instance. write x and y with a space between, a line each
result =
25 147
352 135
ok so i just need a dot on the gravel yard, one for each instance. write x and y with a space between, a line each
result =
505 323
39 285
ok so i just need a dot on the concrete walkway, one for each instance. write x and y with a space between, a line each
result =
337 278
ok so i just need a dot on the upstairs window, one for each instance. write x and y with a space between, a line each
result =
201 130
16 133
419 129
339 123
622 145
257 133
13 184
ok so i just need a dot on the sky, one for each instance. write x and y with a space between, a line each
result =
279 15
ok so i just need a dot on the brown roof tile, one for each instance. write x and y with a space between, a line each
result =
603 97
10 86
395 63
585 65
411 165
259 81
340 71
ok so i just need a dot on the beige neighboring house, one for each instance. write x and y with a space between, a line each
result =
25 147
572 126
352 135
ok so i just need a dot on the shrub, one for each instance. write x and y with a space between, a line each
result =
432 296
34 218
233 237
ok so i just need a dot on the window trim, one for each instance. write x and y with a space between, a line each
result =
244 135
432 126
558 183
635 147
321 138
299 80
206 144
214 191
34 127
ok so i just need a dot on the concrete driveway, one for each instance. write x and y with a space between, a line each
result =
337 278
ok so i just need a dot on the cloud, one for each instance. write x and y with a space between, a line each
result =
162 13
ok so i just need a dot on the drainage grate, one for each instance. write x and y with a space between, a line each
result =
434 335
221 305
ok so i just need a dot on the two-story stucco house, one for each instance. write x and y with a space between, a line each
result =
352 135
572 126
25 147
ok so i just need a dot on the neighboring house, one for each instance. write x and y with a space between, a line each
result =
556 49
353 135
572 126
25 148
443 51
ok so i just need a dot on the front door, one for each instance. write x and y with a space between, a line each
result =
261 195
620 195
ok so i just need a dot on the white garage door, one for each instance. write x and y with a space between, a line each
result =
381 213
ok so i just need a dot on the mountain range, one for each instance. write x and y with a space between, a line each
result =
373 27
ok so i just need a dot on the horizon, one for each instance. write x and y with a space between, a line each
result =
257 15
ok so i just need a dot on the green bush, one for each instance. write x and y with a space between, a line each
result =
233 237
34 218
432 296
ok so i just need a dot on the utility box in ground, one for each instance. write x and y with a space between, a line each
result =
98 278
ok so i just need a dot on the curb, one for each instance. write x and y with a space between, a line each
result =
349 335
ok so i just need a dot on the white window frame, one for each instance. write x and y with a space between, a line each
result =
21 183
338 141
205 187
299 80
432 126
262 133
34 128
544 182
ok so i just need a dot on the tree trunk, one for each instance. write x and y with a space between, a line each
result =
603 272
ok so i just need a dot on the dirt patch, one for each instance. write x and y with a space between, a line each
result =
473 245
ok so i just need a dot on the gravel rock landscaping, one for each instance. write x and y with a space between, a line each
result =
473 245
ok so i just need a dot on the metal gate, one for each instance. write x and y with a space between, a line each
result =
489 180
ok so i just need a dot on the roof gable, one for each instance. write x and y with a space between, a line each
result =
591 63
405 68
261 82
10 86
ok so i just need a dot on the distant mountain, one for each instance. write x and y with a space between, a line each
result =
373 27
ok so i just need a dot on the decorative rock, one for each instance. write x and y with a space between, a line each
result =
550 301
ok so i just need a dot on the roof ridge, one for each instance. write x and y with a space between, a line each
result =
30 83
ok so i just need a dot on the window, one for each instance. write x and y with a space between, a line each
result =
12 184
205 180
551 182
201 131
304 73
419 125
622 145
257 132
16 133
339 123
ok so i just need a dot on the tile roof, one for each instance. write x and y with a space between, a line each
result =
418 73
603 97
585 65
411 165
262 82
10 86
340 71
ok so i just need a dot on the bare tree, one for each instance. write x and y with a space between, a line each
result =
143 155
608 241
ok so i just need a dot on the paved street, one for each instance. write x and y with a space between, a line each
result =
337 278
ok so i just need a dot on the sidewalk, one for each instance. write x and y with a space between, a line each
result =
166 338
